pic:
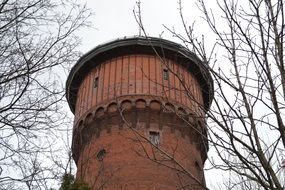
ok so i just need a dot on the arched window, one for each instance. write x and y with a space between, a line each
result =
101 154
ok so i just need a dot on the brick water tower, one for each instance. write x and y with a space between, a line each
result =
139 106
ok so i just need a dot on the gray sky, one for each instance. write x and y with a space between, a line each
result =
114 19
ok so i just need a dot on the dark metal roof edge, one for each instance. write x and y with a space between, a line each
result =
142 41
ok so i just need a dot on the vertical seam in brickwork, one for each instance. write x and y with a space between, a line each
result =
188 89
109 78
149 80
162 81
142 71
192 92
184 87
97 74
90 93
83 96
93 74
87 92
128 87
155 78
180 88
100 78
77 104
176 79
121 83
115 79
174 82
103 76
168 81
135 85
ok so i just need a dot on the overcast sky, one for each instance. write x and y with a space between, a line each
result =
114 19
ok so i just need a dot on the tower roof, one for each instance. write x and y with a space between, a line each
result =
139 45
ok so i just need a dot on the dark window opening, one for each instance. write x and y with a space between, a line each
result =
96 82
101 154
165 74
154 137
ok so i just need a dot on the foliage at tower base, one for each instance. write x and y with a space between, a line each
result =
37 44
246 121
69 183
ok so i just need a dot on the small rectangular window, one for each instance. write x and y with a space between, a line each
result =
96 82
165 74
154 137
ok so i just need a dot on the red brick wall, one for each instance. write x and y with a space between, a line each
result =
137 74
126 165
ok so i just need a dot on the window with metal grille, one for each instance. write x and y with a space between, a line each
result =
154 137
165 74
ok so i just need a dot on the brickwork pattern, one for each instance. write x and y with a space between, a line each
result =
119 103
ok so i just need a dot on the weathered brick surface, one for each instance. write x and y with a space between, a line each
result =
137 75
127 166
135 83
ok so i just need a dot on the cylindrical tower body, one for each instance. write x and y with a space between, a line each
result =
139 108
